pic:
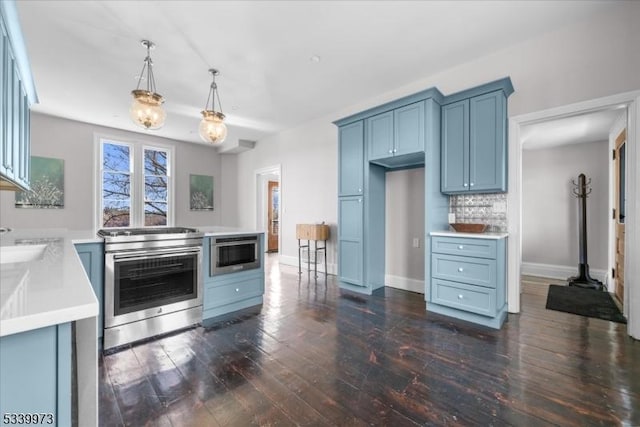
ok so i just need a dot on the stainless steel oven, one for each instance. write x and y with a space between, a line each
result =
234 253
153 282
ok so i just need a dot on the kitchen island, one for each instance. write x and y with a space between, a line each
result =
44 291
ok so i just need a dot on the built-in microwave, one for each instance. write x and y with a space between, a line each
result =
234 253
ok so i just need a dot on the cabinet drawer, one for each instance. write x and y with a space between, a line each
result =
216 295
475 299
476 271
483 248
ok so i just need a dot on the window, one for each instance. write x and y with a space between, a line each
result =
135 185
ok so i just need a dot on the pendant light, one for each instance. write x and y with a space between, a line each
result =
212 128
146 109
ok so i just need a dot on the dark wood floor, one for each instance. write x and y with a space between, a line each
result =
312 356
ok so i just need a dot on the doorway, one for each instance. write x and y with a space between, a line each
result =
619 211
268 190
630 100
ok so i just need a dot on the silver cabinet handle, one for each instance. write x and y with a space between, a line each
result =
471 184
394 150
464 185
460 296
359 200
460 269
390 151
359 190
460 247
237 289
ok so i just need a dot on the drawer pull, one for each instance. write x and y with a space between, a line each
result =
460 296
237 289
460 269
460 247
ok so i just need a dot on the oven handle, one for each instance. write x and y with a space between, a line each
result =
157 252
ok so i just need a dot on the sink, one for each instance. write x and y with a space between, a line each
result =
21 253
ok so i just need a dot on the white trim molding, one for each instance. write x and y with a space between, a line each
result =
560 272
404 283
630 100
293 261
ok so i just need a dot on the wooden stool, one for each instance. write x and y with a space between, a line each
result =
313 232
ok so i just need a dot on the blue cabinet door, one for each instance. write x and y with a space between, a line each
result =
351 159
455 147
409 129
350 247
35 367
488 148
92 258
380 136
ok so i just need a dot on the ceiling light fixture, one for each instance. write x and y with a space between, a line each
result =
146 109
212 128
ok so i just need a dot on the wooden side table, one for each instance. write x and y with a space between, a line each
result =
315 232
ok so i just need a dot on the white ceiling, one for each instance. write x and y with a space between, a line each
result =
85 55
583 128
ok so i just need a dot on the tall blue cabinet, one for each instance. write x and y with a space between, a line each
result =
17 93
398 135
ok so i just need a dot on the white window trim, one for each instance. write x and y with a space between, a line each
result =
137 148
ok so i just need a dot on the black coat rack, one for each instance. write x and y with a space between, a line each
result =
582 190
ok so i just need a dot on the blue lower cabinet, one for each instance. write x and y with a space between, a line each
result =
471 288
227 293
35 367
92 258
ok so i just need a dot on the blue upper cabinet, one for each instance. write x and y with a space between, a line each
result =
351 159
17 93
474 140
455 144
409 129
396 138
380 136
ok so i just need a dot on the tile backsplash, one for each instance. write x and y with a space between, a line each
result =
481 208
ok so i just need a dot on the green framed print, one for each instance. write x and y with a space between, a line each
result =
47 185
201 192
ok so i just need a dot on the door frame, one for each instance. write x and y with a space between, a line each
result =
260 197
615 183
630 100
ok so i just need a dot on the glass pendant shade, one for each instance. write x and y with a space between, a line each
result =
146 109
212 128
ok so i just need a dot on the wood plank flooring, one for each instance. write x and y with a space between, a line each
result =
315 356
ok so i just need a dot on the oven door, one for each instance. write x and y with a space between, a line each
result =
229 255
144 284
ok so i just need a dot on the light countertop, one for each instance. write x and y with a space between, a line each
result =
494 236
226 231
49 290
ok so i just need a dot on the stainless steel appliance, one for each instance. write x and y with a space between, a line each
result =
153 282
234 253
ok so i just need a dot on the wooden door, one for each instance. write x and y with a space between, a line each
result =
620 157
273 201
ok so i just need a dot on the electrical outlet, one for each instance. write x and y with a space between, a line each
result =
452 218
416 242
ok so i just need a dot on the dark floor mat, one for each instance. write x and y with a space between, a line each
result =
584 302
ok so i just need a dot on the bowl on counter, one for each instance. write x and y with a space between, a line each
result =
469 228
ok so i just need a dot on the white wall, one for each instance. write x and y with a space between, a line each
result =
550 219
74 143
558 68
404 217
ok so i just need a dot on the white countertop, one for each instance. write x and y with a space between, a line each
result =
226 231
50 290
494 236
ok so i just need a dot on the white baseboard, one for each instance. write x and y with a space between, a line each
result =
404 283
562 272
293 261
